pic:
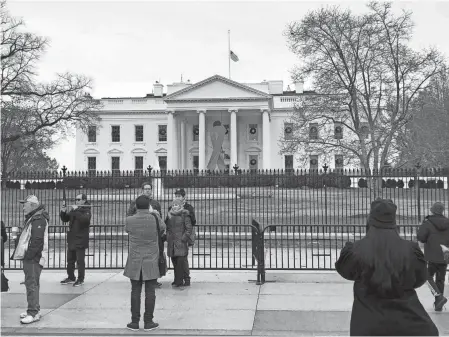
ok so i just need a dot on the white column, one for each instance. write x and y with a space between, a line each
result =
175 142
202 140
170 145
182 163
233 127
266 145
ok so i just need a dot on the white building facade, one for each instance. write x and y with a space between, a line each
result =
214 124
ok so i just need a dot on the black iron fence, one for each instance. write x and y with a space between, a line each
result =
301 197
253 247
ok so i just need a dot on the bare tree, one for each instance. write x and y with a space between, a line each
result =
29 107
366 76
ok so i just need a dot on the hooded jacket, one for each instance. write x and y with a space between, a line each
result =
79 222
34 237
179 230
433 232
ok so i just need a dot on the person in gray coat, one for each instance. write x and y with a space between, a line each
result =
142 265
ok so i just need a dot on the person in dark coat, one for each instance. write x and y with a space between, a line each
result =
77 238
142 265
180 194
179 231
147 190
434 232
4 239
386 270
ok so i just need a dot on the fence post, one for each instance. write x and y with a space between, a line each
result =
418 167
236 167
325 167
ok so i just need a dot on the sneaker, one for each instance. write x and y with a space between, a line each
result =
150 326
67 281
133 326
25 314
187 282
30 319
440 301
78 283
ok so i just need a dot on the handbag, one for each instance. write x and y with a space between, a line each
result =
162 258
22 244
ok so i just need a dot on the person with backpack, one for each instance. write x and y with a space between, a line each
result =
179 234
434 232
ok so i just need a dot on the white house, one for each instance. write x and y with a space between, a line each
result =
212 124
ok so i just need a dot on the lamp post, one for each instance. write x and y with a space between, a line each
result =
236 167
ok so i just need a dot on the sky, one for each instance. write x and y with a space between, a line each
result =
125 46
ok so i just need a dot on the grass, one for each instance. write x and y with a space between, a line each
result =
268 205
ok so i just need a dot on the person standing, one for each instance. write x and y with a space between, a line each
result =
4 239
180 194
142 265
78 216
434 232
147 190
179 232
32 248
386 270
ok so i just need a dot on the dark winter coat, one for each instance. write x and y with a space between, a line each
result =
132 209
179 229
4 238
143 245
398 314
191 210
79 222
433 232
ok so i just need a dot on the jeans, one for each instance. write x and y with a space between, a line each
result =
439 271
181 269
32 272
150 299
78 257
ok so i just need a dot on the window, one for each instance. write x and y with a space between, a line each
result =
196 133
288 131
138 133
288 161
92 134
162 132
252 132
162 163
338 131
338 161
196 164
115 133
313 131
138 163
314 162
115 165
91 164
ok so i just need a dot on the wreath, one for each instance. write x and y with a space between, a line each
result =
252 131
313 161
162 132
338 129
313 129
288 129
364 129
253 162
339 161
196 132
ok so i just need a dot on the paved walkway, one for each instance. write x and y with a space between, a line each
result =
217 303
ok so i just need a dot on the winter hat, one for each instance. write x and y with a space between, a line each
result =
437 208
176 205
143 202
382 214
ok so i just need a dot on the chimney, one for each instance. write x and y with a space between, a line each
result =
299 86
158 89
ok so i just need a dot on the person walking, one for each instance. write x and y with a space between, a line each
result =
78 216
180 194
179 232
434 232
386 270
32 249
142 265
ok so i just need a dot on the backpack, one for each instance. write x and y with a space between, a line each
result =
5 285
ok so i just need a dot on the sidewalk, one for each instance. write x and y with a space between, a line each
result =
217 303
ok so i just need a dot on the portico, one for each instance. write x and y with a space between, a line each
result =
218 122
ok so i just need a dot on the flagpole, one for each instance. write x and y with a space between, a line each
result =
229 52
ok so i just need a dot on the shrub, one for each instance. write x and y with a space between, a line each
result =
337 180
384 183
362 183
400 183
423 184
431 184
411 183
59 185
28 185
391 183
440 183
